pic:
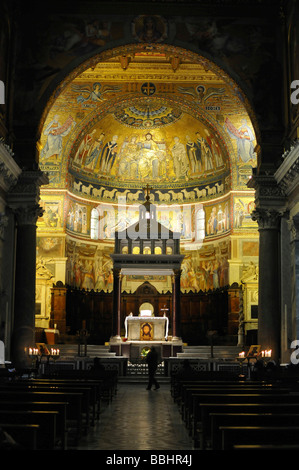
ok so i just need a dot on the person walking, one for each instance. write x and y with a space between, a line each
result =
152 362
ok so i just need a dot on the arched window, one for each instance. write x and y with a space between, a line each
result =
94 224
200 224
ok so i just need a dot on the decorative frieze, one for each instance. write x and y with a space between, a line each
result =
9 170
288 172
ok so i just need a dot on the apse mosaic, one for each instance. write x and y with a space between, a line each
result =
105 136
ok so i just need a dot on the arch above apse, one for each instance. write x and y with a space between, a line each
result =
173 57
172 51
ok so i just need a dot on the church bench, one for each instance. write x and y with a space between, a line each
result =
108 378
93 385
88 404
202 430
234 435
59 407
183 383
194 416
267 447
46 438
248 419
74 400
84 391
25 435
188 391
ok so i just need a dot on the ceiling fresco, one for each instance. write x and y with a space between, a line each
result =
133 117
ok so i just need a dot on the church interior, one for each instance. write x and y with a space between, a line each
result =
149 196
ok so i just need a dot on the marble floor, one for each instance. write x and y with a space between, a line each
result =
138 419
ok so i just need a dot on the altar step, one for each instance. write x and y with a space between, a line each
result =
68 351
206 352
143 379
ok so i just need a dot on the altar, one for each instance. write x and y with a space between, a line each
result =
146 328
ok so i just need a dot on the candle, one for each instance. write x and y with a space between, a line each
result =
242 354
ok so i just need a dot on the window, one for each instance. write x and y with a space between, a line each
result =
254 312
200 224
94 225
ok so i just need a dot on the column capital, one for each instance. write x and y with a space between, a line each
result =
28 215
268 193
23 198
27 189
267 219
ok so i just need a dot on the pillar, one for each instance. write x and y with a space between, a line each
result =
117 278
176 310
269 305
294 297
23 200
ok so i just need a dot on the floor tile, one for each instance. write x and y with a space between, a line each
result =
138 419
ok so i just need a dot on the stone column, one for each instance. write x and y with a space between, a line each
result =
269 321
176 310
23 200
116 304
294 327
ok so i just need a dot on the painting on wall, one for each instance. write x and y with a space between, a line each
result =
50 247
78 217
217 218
242 209
206 269
88 267
52 218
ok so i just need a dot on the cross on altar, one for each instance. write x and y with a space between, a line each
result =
147 189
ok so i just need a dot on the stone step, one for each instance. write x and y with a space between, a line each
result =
205 352
71 350
142 380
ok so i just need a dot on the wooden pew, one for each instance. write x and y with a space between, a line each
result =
74 400
188 393
59 407
94 386
203 431
25 435
271 435
199 399
108 378
248 419
83 390
46 437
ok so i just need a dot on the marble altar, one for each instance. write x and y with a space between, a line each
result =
146 328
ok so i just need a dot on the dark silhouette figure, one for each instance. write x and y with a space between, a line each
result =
97 368
152 362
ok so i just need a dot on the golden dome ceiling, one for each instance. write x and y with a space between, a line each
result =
135 116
